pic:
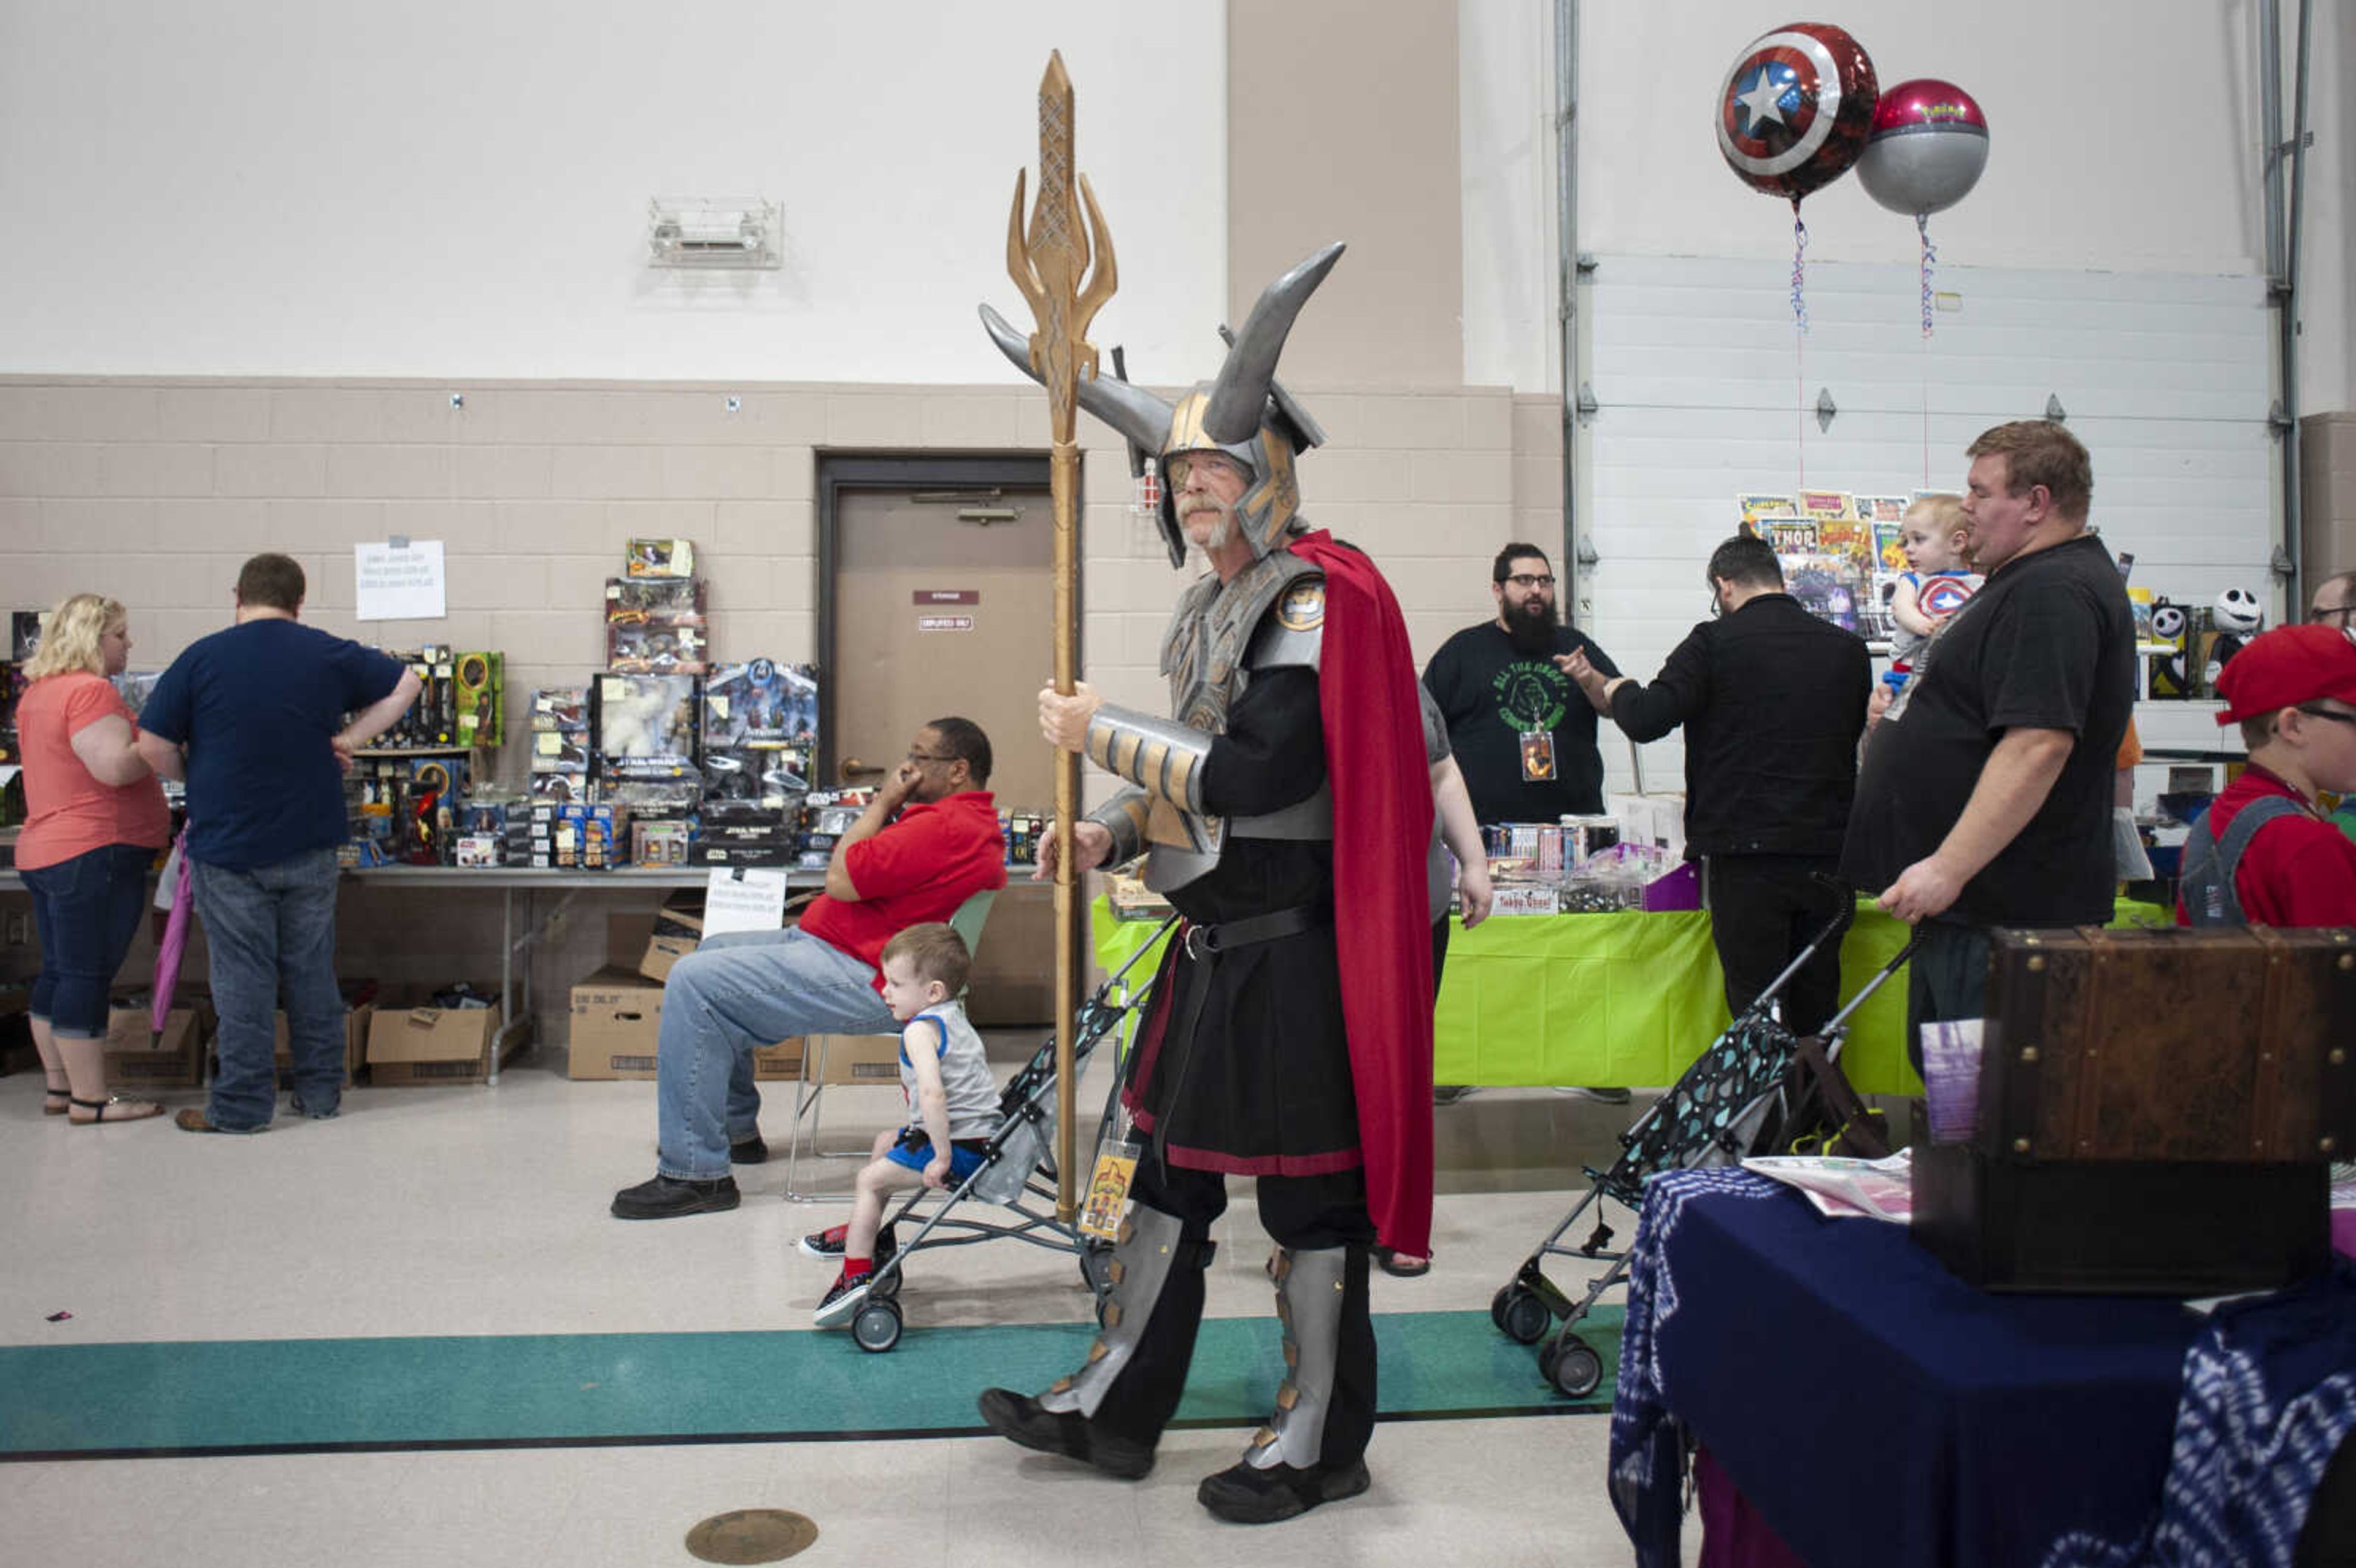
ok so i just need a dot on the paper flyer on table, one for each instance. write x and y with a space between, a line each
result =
744 898
1874 1189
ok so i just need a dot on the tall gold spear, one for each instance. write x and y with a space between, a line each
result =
1048 267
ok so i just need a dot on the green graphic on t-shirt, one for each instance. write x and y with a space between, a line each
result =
1531 695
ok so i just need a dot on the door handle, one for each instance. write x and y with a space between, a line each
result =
852 768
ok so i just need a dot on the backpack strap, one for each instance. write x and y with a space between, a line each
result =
2206 870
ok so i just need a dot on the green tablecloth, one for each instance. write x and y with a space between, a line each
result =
1628 998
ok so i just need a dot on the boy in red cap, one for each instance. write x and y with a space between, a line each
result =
2262 854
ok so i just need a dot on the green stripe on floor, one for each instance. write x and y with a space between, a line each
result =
549 1388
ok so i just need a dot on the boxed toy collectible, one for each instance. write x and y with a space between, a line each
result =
761 703
675 645
661 558
645 726
636 600
433 719
659 843
585 837
560 743
480 698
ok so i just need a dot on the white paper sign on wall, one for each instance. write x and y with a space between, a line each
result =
401 579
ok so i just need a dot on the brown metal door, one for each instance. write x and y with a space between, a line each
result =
946 606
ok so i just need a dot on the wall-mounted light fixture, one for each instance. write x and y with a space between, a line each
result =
715 232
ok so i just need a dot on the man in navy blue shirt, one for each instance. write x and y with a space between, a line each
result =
254 718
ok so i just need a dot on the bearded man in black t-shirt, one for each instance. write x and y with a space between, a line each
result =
1523 731
1987 802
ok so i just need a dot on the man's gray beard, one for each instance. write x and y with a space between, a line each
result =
1221 531
1533 633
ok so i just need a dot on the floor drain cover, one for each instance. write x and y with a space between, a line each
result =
751 1535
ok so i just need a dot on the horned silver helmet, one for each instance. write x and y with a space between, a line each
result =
1245 414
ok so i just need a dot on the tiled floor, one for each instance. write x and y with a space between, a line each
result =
445 1212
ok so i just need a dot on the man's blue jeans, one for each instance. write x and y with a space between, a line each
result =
730 997
272 931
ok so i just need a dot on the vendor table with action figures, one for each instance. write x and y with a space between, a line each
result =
514 988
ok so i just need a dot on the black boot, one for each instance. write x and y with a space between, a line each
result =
1243 1494
1024 1419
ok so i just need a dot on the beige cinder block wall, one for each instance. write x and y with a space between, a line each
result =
155 491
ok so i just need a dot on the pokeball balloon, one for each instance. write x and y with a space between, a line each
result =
1929 143
1794 112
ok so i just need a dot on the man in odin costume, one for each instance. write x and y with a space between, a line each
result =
1285 813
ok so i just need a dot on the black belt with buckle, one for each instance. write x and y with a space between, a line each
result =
1227 935
1203 944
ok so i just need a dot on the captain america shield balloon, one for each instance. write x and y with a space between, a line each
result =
1929 143
1793 113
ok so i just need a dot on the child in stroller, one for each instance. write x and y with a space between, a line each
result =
944 1075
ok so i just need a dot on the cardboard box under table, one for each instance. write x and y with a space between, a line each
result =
678 929
616 1018
137 1058
356 1034
410 1041
2157 1112
617 1025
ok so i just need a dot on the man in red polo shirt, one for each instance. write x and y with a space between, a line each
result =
2263 853
926 843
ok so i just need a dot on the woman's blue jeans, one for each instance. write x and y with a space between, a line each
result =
86 911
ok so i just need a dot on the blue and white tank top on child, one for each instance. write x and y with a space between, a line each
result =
965 1074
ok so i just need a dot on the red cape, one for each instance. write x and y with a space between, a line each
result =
1382 828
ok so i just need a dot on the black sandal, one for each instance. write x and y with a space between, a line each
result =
58 1094
1399 1267
102 1106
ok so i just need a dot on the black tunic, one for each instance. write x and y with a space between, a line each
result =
1263 1084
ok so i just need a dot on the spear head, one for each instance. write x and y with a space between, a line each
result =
1050 263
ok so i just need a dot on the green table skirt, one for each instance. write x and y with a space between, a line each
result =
1617 999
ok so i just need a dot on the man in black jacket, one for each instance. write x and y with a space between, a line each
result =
1772 700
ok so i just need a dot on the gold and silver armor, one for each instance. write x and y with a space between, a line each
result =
1271 616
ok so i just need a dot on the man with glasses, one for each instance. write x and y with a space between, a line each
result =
2334 602
1987 801
2264 854
928 842
1523 733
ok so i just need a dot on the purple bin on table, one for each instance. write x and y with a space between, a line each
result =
1680 889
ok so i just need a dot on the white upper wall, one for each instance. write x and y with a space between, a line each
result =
319 187
448 188
2121 140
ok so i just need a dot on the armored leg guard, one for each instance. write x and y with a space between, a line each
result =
1111 1413
1313 1449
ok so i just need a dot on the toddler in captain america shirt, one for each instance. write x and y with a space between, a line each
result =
1939 580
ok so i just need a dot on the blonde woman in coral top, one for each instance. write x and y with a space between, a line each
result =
96 819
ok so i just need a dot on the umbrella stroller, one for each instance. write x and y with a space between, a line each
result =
1734 1101
1018 1169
